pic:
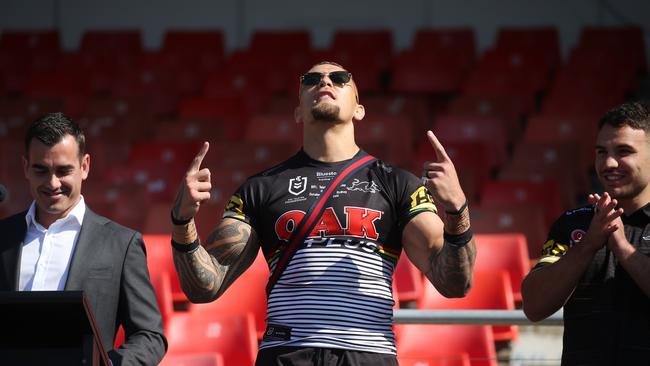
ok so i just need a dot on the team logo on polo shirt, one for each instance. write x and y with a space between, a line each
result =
297 185
577 235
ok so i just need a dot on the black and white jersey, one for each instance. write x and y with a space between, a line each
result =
336 291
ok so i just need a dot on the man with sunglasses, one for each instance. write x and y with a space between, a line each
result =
333 301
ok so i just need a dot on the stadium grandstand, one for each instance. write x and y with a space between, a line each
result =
512 89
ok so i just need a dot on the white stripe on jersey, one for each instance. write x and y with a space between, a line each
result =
334 298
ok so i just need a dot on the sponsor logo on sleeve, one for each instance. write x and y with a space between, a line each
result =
421 200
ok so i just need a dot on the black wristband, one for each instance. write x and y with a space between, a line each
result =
459 211
186 248
176 221
458 240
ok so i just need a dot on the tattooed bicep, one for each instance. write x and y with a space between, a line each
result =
228 240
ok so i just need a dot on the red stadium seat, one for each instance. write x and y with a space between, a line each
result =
247 154
17 113
109 41
196 359
492 290
294 45
280 128
511 110
407 280
555 162
517 74
23 53
58 85
365 53
580 131
375 45
459 41
228 111
543 38
528 220
246 295
201 50
414 72
625 40
461 359
523 194
489 131
233 336
29 41
470 159
161 263
424 341
504 252
162 287
392 132
416 108
437 62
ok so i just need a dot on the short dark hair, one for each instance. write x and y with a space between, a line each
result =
634 114
51 128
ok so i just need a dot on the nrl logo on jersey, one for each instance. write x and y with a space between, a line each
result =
297 185
367 187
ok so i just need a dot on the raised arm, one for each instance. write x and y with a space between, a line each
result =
207 270
546 289
445 253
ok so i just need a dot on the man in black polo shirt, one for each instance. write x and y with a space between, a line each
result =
596 260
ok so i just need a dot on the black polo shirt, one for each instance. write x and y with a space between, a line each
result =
607 318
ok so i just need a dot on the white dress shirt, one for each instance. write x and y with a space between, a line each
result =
46 254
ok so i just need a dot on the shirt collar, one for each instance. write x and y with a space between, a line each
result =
76 214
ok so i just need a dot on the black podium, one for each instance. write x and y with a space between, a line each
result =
48 328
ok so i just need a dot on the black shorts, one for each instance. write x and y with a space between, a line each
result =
310 356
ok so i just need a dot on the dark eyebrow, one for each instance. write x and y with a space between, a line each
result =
58 167
617 147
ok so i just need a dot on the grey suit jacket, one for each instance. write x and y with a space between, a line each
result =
109 265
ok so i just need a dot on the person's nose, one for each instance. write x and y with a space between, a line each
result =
325 81
610 162
53 183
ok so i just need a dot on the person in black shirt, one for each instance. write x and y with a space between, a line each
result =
596 261
333 301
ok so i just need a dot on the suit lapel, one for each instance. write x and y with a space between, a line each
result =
83 251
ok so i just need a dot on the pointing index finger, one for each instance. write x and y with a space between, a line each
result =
441 154
198 159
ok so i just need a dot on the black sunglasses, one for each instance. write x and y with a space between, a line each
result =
339 78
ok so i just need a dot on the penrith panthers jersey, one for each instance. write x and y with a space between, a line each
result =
336 292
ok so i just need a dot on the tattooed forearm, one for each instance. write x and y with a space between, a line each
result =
457 224
199 278
185 234
452 269
207 272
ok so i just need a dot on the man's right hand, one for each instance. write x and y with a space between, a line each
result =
194 189
604 222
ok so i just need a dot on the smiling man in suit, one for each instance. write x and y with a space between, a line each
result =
59 244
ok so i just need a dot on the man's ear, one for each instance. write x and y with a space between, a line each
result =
296 115
359 113
85 166
25 165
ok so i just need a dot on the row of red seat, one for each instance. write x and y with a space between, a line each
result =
439 60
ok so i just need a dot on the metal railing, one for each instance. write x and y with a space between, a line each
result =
481 317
